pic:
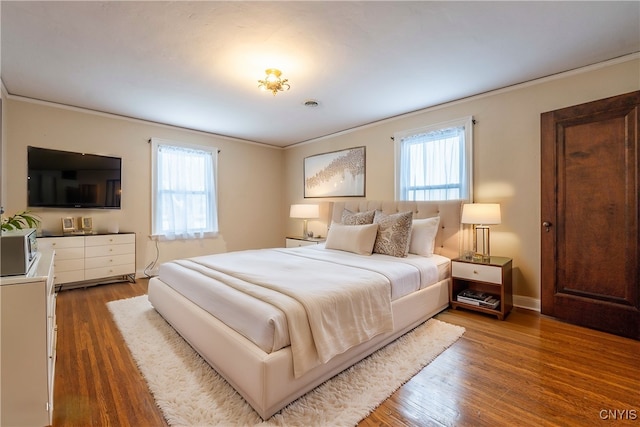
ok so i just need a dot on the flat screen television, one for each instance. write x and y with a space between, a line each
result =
64 179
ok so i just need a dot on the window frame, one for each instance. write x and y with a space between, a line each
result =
466 122
161 234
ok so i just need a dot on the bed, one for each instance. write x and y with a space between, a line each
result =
274 363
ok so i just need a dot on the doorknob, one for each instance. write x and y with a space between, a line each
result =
546 225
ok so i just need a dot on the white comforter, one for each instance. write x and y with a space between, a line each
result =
330 307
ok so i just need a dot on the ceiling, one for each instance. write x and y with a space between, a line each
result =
196 64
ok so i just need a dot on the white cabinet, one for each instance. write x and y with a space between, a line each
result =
28 345
69 260
109 255
84 260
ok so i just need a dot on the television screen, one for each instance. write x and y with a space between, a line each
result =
63 179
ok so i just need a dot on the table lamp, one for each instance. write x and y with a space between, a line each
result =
481 215
304 212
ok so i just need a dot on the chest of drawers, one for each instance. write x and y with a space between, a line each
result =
109 255
28 345
84 260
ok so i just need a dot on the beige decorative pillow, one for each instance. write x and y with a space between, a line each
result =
423 236
358 239
357 218
394 232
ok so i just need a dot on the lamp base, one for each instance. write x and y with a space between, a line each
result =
481 243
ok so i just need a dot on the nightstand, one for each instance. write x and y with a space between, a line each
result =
491 277
294 242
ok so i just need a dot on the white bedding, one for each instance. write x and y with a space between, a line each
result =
328 312
266 378
265 324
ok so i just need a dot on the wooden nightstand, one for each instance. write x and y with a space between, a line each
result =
491 277
294 242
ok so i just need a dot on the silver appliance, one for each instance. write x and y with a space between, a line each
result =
18 249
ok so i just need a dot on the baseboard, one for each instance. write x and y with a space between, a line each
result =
526 302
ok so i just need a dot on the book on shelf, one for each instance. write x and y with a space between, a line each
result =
480 299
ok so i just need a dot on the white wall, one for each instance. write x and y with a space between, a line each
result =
251 213
506 156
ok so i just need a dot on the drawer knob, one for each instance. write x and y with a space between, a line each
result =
475 271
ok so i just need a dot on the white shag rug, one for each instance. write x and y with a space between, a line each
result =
190 393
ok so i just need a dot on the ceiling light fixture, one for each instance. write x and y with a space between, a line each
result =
273 82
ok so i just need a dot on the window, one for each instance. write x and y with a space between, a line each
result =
184 200
434 162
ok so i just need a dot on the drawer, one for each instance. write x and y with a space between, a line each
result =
68 276
115 270
51 290
295 243
60 242
51 336
94 251
51 307
110 239
52 364
61 265
481 273
69 253
107 261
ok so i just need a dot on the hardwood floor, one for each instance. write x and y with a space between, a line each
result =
526 370
97 382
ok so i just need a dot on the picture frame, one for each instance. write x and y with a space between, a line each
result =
68 225
335 174
87 223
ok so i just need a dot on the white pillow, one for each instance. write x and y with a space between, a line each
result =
423 236
358 239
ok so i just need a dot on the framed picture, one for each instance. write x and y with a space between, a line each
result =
87 223
335 174
68 225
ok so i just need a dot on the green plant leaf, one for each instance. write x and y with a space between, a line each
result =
20 220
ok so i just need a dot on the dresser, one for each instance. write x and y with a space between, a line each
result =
28 345
92 259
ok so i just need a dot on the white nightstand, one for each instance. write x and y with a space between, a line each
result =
492 277
294 242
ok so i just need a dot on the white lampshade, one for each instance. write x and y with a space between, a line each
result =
304 211
481 213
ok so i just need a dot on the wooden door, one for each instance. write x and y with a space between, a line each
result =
589 208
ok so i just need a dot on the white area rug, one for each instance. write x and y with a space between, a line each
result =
190 393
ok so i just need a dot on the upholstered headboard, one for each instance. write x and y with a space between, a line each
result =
448 240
